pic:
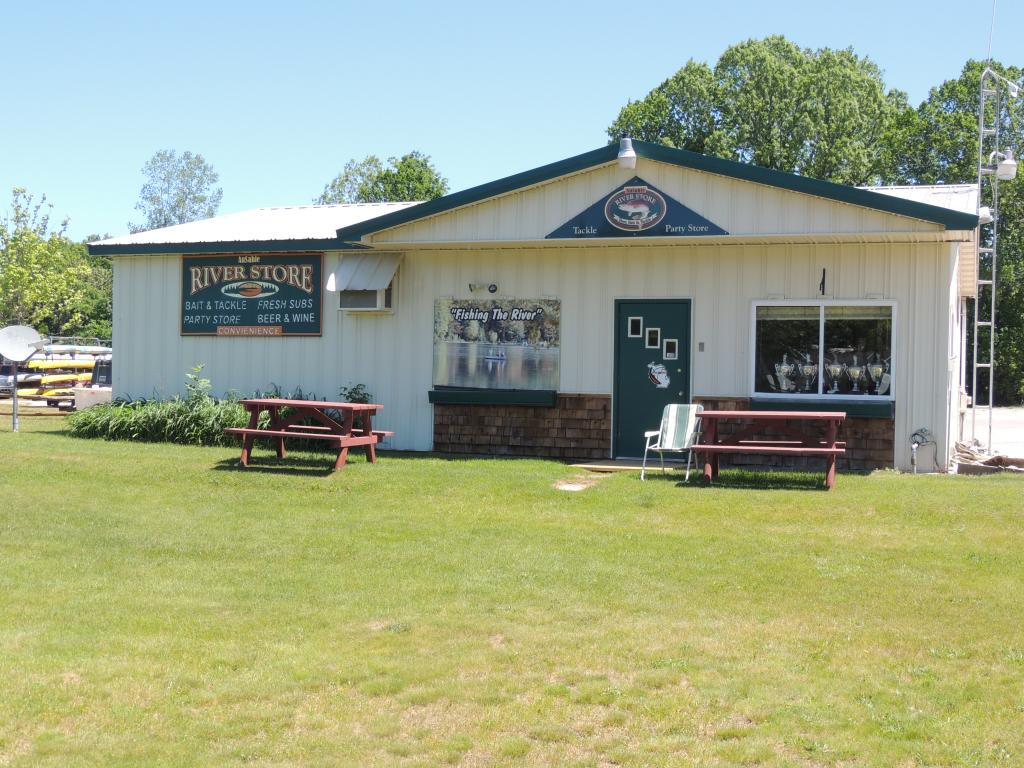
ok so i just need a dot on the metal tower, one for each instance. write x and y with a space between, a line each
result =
994 165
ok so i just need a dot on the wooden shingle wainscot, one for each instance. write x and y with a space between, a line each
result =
570 426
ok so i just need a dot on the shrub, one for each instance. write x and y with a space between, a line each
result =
357 393
180 420
196 419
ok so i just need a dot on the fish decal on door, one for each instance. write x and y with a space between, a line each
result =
658 374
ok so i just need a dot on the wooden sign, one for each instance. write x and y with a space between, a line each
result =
252 295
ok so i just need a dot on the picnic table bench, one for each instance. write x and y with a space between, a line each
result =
794 426
338 426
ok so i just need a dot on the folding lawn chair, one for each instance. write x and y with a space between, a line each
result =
680 427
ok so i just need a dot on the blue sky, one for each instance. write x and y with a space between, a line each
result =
278 96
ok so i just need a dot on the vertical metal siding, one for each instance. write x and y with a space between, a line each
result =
740 207
392 353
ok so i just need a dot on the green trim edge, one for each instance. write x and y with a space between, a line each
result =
536 397
948 219
855 409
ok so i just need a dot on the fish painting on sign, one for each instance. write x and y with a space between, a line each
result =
636 210
501 343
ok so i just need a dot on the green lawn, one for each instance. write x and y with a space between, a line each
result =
159 606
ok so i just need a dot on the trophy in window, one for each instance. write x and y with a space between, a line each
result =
809 371
876 371
783 371
856 373
835 371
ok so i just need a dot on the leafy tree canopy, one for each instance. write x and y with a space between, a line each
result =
938 142
46 280
407 178
769 102
178 189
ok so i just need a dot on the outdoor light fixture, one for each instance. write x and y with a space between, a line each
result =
1007 168
627 157
984 215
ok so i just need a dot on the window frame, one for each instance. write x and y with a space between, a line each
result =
820 396
647 337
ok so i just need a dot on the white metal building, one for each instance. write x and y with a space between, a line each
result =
553 312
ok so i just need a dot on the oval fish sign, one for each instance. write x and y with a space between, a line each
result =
635 208
249 289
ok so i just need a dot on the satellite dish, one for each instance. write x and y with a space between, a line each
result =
19 342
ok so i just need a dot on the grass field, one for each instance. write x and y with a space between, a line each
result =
161 607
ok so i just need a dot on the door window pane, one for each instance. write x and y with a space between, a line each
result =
786 353
858 351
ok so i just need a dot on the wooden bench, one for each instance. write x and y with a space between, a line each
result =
777 450
313 429
352 439
380 433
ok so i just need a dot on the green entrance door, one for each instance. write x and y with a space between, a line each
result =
652 367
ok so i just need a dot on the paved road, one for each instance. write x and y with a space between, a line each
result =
1007 430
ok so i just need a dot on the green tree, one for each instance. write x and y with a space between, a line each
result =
939 145
411 177
96 305
178 189
44 276
769 102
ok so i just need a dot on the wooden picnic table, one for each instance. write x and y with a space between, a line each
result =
333 422
793 434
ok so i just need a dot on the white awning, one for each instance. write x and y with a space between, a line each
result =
364 272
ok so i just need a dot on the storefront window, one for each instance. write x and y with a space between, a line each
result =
818 349
787 344
858 350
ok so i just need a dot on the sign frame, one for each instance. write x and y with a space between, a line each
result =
275 257
636 208
515 346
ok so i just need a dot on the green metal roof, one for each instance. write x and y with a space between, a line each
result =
948 219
